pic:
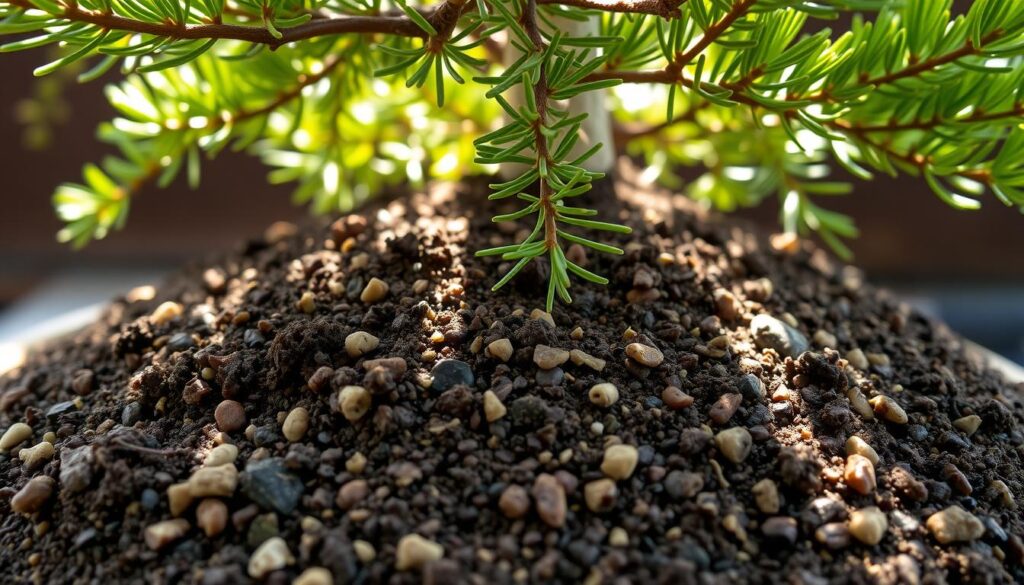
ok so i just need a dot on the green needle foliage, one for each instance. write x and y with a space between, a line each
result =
346 97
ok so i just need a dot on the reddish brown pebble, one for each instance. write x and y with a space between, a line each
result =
230 416
352 493
675 398
514 502
195 391
212 516
33 496
82 382
723 409
860 474
550 497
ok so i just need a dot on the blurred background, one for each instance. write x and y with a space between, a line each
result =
965 267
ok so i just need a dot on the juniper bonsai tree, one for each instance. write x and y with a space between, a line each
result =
343 97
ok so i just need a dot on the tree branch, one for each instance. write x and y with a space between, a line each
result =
442 17
714 31
966 50
392 25
977 116
540 96
910 158
662 8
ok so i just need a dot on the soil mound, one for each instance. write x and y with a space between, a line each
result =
350 404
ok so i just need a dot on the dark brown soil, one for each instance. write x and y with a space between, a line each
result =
126 405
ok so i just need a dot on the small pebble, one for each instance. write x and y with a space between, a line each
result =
645 354
514 502
619 461
539 315
675 398
272 555
889 409
683 484
500 349
82 382
375 290
296 424
581 358
723 408
771 333
449 373
356 463
825 339
857 359
577 333
968 424
735 443
37 455
14 435
414 551
728 307
549 495
604 394
859 446
161 534
834 535
314 576
166 312
860 474
618 537
221 455
352 493
212 516
600 495
31 498
547 357
860 403
766 496
954 524
219 481
494 408
752 388
230 416
364 551
360 343
307 303
179 498
868 525
354 402
1002 490
780 528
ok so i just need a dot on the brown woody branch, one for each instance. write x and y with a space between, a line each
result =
392 25
443 18
540 96
662 8
910 158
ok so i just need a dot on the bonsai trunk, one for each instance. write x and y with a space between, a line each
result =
597 128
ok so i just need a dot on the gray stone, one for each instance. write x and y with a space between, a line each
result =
131 414
270 485
75 469
752 388
552 377
60 408
449 373
770 333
